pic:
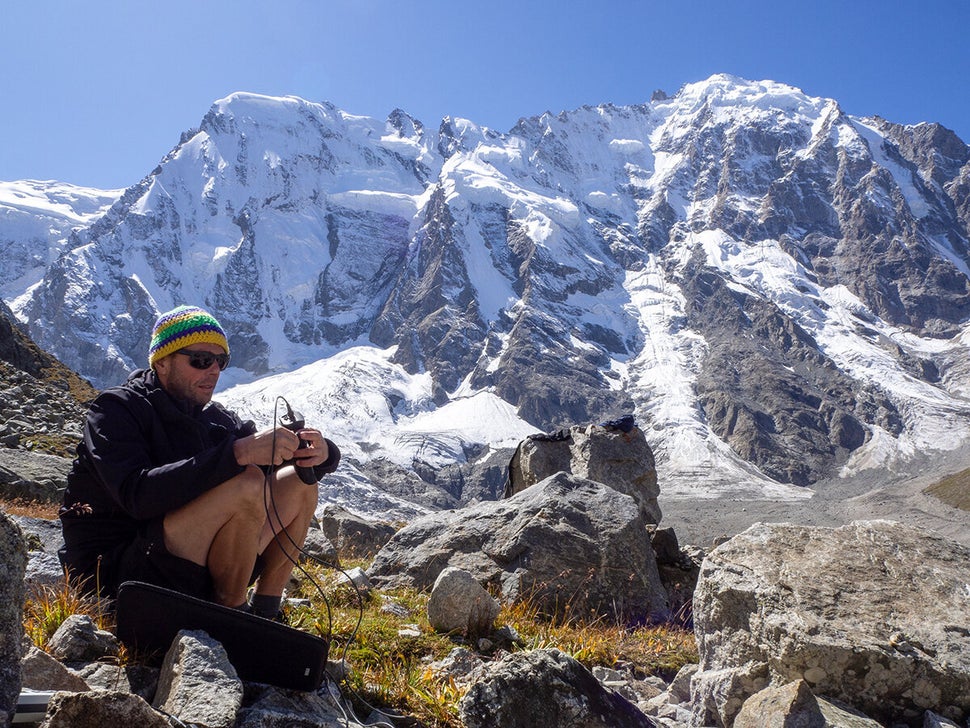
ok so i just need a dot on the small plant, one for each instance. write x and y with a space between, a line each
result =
46 608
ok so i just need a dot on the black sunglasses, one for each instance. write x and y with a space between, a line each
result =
203 359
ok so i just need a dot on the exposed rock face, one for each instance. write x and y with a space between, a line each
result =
568 544
770 392
32 476
13 563
873 614
619 458
545 689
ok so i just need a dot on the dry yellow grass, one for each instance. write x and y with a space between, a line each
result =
390 664
31 509
389 652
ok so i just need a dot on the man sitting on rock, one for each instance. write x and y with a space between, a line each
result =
172 489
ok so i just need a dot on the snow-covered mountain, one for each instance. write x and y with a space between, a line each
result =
779 291
36 219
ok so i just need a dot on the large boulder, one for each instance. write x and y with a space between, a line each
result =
197 683
567 544
13 563
32 476
615 455
873 615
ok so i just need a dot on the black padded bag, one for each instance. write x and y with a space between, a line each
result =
149 617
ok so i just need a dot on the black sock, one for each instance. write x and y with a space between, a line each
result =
244 607
265 605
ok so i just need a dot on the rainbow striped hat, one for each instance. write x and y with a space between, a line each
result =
182 327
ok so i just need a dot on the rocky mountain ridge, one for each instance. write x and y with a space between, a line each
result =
778 291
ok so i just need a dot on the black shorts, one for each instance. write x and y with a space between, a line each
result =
146 559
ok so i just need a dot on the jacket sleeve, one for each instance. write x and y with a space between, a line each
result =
119 439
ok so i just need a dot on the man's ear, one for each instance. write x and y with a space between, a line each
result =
162 366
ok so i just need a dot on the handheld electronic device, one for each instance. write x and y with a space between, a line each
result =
294 422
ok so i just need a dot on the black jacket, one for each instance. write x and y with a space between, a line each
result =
143 454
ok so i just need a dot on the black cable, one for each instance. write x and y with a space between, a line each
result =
269 478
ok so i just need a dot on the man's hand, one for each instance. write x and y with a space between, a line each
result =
315 452
259 449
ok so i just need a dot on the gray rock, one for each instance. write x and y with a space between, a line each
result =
461 665
141 680
458 603
44 537
390 606
356 576
872 615
13 564
318 547
621 460
352 535
638 692
101 709
272 707
42 534
932 720
40 671
545 689
197 683
679 689
568 544
840 715
32 476
43 570
79 640
794 706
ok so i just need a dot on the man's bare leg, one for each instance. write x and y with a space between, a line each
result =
291 506
220 530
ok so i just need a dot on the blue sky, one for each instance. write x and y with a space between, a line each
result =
95 93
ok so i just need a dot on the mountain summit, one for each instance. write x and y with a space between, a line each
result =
778 291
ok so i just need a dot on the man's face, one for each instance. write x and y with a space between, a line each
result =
183 381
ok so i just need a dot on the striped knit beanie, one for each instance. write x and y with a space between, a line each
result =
181 327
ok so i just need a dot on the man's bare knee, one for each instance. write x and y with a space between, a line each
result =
247 496
190 530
